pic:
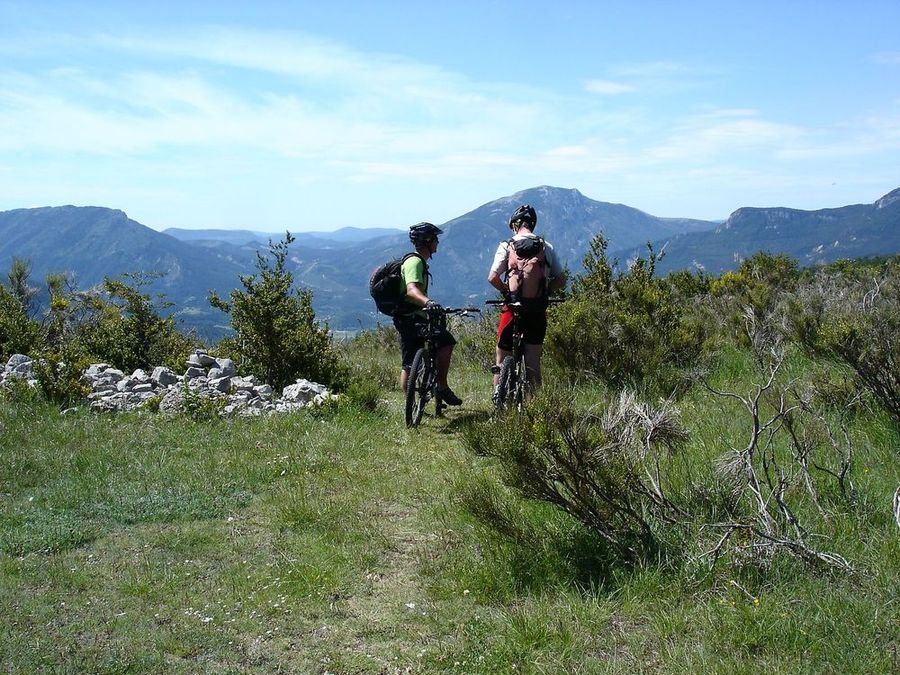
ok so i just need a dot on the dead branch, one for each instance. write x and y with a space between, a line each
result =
897 506
767 480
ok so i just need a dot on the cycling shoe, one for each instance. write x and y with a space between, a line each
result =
448 397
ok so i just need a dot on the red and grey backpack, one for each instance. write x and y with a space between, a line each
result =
526 265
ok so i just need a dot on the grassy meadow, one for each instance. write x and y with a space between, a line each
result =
338 541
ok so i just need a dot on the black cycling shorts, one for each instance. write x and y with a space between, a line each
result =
532 324
411 342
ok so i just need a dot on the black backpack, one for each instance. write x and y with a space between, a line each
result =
385 286
527 247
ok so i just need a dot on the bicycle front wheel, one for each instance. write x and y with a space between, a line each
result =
417 389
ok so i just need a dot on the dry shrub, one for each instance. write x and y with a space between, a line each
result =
603 466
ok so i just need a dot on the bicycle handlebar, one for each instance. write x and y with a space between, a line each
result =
461 310
552 301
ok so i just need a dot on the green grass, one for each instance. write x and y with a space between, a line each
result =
339 542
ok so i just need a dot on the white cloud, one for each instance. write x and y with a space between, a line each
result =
607 87
695 141
664 77
652 69
280 109
300 57
886 57
305 98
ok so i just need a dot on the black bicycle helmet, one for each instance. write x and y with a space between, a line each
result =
422 232
524 214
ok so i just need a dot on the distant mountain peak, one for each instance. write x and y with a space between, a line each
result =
890 198
546 192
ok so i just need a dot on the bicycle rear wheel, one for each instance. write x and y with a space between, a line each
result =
519 385
417 386
506 382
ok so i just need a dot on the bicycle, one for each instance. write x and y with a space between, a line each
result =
421 385
512 386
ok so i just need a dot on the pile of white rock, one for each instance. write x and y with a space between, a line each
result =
206 377
19 367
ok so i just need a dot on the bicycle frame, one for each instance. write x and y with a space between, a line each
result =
513 370
422 382
513 381
421 385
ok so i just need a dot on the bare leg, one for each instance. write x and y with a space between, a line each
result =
533 365
500 355
404 377
443 365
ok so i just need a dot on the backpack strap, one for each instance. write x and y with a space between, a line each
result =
519 272
414 254
424 262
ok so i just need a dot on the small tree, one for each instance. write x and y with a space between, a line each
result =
129 331
61 357
18 275
277 336
752 292
18 332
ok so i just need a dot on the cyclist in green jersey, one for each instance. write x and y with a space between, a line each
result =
408 322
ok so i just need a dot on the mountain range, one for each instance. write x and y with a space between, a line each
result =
346 236
92 242
811 237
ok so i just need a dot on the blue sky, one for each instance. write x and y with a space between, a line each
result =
318 115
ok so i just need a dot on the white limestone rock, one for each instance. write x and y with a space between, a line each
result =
302 391
226 366
222 384
163 376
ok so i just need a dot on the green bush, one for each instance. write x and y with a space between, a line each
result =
59 372
855 321
363 392
751 294
277 335
16 391
628 328
120 325
600 465
124 327
201 406
18 333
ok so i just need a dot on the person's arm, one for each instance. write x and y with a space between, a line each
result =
556 272
498 269
498 283
414 293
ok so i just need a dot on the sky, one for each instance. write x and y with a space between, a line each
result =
320 115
